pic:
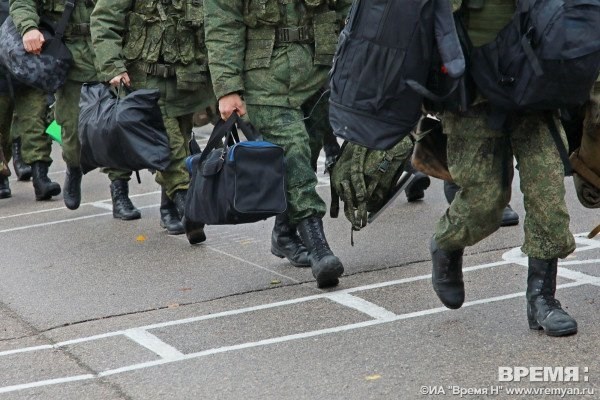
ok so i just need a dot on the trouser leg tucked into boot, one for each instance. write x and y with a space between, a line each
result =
43 187
446 275
193 231
169 217
123 208
5 192
543 310
72 188
326 267
22 170
285 242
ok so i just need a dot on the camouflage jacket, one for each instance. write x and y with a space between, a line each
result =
77 37
148 38
277 52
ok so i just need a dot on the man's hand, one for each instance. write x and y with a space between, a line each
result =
116 81
231 103
33 41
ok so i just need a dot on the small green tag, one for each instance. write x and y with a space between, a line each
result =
53 131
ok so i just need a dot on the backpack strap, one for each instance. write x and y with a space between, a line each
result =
560 145
61 26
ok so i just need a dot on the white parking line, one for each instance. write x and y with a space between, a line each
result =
62 221
154 344
379 315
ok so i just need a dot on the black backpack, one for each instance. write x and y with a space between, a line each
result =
547 57
382 64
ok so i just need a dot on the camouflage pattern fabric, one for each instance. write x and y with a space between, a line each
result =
316 110
6 112
181 46
481 163
277 80
83 69
364 178
29 122
25 117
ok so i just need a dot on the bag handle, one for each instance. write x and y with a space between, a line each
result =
61 26
228 129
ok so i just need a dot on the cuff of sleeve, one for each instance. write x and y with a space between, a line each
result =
117 68
26 26
231 85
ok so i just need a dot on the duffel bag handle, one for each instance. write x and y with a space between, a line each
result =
225 128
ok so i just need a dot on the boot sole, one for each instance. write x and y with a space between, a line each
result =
277 253
534 326
196 237
172 232
24 178
127 217
329 276
48 196
417 192
510 222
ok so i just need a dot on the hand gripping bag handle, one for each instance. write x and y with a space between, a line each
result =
223 129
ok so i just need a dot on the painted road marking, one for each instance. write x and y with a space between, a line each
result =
380 315
82 205
153 343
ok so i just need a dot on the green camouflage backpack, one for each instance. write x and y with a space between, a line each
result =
366 180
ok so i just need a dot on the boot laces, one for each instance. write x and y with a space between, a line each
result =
551 302
321 247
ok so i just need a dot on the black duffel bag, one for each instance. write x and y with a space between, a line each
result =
46 71
240 182
123 132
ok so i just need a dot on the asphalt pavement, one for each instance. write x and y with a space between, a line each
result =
96 308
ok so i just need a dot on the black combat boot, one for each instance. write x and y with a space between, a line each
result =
446 275
543 310
22 170
416 188
193 231
123 208
72 188
285 242
509 217
4 187
43 187
169 217
326 267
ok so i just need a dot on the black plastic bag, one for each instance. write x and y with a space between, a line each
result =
121 132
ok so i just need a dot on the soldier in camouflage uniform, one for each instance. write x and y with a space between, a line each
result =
78 40
481 163
160 44
26 114
276 54
5 151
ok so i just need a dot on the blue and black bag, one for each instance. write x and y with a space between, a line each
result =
233 181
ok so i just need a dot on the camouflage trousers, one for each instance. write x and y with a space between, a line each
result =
26 118
316 111
287 128
66 112
176 176
481 163
6 113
